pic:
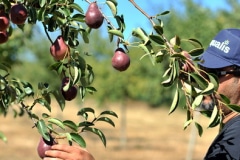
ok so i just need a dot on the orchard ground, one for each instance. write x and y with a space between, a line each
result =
149 133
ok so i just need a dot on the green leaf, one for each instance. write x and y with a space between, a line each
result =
199 128
97 132
71 125
85 124
78 139
224 99
116 33
85 37
7 3
77 74
83 112
41 14
214 80
4 67
120 22
197 101
195 43
158 29
109 113
45 115
42 3
57 122
196 51
209 89
163 13
112 7
148 49
69 138
58 67
174 102
78 17
187 123
90 89
44 103
157 39
214 117
199 80
82 91
58 96
114 1
42 129
76 7
32 15
141 34
87 109
3 137
234 107
106 119
168 82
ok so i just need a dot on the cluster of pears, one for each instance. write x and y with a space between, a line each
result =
93 18
17 14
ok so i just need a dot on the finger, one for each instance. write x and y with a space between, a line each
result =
66 148
48 158
59 155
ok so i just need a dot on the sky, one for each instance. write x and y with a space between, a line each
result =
133 18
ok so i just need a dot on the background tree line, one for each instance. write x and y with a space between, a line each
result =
142 80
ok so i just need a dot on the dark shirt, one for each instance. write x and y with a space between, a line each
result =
226 145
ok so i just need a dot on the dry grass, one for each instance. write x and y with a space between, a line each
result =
144 133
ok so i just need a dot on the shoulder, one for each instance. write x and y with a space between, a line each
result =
227 143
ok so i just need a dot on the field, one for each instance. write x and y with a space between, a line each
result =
141 133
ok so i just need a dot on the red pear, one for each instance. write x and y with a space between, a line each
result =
93 16
59 49
18 14
4 22
71 92
44 145
120 60
3 37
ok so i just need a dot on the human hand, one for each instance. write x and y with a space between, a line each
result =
66 152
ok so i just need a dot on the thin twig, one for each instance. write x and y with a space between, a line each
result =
45 29
142 11
29 113
153 24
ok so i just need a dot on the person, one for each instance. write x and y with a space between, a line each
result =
222 57
66 152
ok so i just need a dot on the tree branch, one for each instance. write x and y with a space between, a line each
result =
45 29
142 11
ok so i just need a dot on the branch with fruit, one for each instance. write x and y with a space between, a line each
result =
77 76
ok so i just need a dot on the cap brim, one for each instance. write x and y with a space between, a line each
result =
209 60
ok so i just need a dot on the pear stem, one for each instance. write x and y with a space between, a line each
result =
45 29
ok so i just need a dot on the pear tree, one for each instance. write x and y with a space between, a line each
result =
73 20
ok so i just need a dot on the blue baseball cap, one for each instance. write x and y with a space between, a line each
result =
223 50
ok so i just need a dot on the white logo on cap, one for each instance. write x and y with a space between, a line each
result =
223 46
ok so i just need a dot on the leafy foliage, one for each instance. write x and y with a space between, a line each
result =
68 17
